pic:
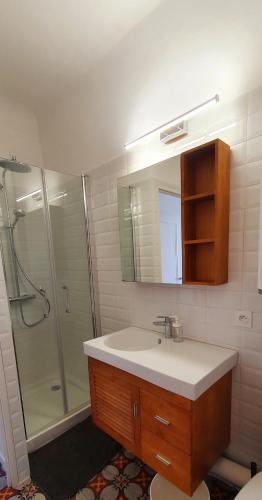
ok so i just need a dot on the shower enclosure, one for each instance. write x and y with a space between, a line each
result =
44 235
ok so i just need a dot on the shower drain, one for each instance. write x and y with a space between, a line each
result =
55 387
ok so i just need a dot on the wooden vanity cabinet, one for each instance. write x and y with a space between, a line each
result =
115 402
179 438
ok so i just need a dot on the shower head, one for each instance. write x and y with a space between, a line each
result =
18 213
15 166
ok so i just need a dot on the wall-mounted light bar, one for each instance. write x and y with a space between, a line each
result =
219 130
62 195
200 139
29 195
191 143
188 114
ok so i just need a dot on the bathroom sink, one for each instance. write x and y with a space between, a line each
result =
186 368
135 342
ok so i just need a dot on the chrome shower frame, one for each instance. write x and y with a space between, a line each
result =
86 195
54 289
76 415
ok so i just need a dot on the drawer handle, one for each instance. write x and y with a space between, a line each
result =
135 409
163 460
161 420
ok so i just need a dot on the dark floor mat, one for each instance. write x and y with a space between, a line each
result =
63 467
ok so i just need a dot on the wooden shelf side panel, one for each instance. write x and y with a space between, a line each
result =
222 211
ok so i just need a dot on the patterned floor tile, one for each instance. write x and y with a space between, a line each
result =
124 478
29 492
127 478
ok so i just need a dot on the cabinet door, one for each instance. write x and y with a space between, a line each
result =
114 400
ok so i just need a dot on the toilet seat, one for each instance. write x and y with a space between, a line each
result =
252 490
161 489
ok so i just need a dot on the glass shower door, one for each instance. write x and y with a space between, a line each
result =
72 277
25 249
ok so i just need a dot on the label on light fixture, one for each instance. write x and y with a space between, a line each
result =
174 132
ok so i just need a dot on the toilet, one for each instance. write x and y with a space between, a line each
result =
162 489
252 489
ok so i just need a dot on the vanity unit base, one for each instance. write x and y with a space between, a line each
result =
179 438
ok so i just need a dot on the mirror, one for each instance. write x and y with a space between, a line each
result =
149 208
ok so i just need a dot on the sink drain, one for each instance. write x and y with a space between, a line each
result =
56 387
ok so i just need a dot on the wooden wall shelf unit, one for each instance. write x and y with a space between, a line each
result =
179 438
205 213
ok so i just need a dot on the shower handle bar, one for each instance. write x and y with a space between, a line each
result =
68 307
22 298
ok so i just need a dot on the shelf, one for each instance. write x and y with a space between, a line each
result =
200 263
205 207
199 241
199 171
199 220
202 283
200 196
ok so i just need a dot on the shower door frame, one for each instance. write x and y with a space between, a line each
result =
87 212
59 340
69 418
59 333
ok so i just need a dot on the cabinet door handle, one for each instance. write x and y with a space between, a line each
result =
163 460
135 409
162 420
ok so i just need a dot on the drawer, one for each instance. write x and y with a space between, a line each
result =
170 462
166 421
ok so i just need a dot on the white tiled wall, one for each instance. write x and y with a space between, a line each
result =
207 313
11 389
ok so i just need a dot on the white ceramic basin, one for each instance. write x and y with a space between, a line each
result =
137 341
187 368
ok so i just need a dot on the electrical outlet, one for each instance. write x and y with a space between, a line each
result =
243 318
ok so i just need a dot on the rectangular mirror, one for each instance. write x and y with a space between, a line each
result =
149 208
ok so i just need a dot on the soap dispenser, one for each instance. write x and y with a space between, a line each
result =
176 329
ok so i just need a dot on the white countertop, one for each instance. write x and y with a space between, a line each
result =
188 368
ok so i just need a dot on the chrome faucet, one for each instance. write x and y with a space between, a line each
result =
167 323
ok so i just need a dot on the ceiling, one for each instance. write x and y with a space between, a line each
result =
47 46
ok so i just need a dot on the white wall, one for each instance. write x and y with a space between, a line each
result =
18 136
19 133
207 312
174 59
